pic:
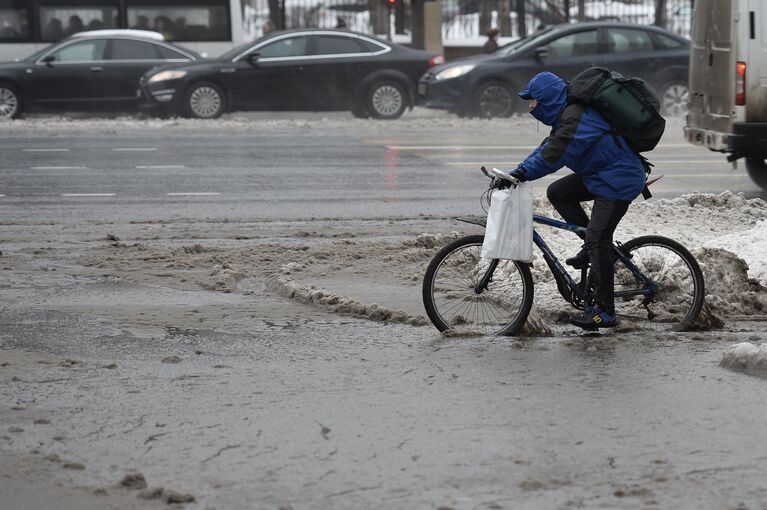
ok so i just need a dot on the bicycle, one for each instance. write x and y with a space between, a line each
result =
658 283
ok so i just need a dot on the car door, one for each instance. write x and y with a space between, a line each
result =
569 54
333 70
70 74
272 80
126 61
632 52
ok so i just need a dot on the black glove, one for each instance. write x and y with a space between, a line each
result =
519 175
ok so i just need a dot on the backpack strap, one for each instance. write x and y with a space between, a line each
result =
647 170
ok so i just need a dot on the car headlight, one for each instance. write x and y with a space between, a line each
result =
167 75
454 72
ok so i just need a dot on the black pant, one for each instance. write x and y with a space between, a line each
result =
566 195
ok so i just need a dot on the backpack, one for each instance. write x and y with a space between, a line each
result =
629 105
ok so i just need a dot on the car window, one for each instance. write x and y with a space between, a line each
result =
669 42
123 49
288 47
627 40
336 44
572 45
371 47
83 50
170 53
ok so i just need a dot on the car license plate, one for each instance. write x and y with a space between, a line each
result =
421 89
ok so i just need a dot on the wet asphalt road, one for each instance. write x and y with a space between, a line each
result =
318 411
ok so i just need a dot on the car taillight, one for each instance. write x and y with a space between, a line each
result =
439 59
740 84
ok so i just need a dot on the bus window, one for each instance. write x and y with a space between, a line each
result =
206 20
57 22
14 24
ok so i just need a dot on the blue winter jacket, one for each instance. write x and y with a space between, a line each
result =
580 139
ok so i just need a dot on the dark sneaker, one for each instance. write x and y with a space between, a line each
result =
580 261
593 318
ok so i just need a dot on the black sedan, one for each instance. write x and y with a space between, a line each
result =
486 86
91 70
309 69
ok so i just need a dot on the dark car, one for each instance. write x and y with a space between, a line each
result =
486 86
90 70
309 69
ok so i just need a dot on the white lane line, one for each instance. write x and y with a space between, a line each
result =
87 194
193 194
134 149
158 167
1 196
45 150
58 167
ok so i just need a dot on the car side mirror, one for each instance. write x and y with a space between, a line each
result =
541 52
49 60
253 59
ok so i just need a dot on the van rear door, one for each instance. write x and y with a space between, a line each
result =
755 44
712 70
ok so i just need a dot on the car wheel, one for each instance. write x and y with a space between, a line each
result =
205 101
387 100
757 170
10 103
494 99
673 99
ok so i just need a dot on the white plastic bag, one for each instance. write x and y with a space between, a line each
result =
509 230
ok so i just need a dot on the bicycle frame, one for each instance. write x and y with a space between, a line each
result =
562 277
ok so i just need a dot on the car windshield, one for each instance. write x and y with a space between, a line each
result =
237 50
528 41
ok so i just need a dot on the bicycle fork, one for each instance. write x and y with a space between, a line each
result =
486 278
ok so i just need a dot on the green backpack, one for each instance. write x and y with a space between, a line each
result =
629 105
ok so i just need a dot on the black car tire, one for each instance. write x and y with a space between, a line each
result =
387 99
205 100
10 102
757 170
494 99
673 99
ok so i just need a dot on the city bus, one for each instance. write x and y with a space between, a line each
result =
206 26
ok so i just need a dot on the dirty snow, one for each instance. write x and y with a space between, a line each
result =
746 357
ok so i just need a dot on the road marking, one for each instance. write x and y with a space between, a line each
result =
87 194
45 150
134 149
193 194
159 167
1 196
58 167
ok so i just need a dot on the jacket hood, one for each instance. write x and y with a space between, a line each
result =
551 93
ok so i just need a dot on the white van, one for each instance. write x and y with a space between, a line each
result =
728 81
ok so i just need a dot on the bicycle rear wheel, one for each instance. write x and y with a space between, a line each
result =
451 298
679 288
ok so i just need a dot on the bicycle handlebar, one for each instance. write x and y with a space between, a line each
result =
500 175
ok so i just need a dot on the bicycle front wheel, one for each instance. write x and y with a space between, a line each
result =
454 300
676 285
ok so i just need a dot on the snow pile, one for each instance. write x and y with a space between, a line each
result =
746 357
751 246
729 290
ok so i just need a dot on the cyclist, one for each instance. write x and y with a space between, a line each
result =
605 170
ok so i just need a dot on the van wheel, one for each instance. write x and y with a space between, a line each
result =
757 170
494 99
673 99
10 102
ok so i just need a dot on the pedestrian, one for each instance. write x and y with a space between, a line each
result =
340 23
605 170
492 40
267 28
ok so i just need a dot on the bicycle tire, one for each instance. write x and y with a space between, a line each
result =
679 298
457 289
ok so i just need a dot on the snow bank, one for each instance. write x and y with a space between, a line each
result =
751 246
746 357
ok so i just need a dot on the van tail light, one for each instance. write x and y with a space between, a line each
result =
740 84
435 61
